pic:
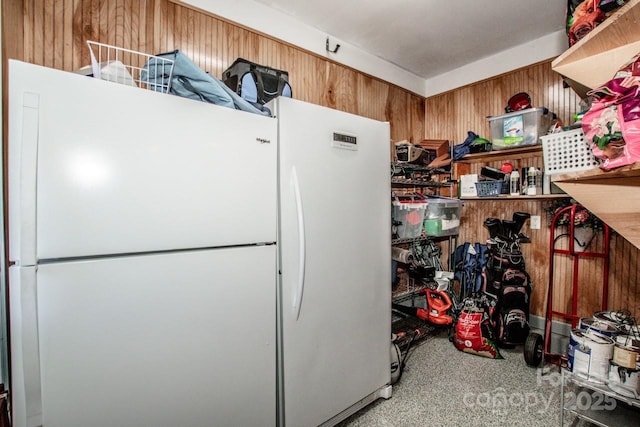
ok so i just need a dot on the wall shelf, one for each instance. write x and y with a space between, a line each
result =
501 154
421 239
595 59
596 403
508 197
630 171
419 183
528 153
611 195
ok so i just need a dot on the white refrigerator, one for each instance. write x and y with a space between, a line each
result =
150 279
334 245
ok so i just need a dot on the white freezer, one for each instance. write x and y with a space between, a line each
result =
334 244
142 230
177 339
144 287
124 170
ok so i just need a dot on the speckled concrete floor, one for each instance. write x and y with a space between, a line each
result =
442 386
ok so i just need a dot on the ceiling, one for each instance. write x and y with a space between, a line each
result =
428 37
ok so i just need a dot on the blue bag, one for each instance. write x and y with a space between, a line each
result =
189 81
461 150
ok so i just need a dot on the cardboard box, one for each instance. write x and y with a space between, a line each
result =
435 147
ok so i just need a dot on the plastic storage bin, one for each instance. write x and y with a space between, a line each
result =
130 67
489 188
567 152
408 215
442 217
519 128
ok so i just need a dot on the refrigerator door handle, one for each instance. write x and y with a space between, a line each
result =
297 300
27 379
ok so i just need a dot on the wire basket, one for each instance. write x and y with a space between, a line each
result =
489 188
567 152
130 67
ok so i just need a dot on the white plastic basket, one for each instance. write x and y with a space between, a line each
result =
567 152
130 67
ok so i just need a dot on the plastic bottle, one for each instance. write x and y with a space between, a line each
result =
531 181
514 183
539 183
546 184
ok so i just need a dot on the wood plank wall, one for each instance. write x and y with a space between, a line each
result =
452 114
54 34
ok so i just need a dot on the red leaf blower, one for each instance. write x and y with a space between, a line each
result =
438 303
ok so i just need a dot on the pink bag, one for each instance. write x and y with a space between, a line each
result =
612 124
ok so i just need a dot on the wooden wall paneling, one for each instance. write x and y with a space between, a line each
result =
108 23
632 281
82 27
16 32
365 84
623 283
624 270
417 119
134 21
48 36
535 253
450 115
440 117
54 34
623 277
624 261
340 89
366 89
396 113
36 25
64 47
204 44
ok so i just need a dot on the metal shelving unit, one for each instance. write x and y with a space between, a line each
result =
597 403
408 174
418 182
419 177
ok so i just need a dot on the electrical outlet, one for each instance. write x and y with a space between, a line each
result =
535 222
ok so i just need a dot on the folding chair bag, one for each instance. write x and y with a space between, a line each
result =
256 83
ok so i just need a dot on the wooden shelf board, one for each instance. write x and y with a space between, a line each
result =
616 201
612 195
500 154
595 59
508 197
629 171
